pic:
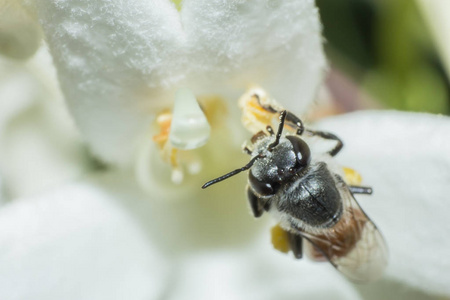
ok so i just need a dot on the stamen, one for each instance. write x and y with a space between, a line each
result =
190 128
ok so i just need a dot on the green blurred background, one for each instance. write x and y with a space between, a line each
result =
385 47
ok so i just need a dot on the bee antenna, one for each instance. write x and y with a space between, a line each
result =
279 131
232 173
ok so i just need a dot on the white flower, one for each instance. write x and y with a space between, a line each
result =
119 63
39 145
405 156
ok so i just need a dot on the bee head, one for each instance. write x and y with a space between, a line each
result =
278 164
274 162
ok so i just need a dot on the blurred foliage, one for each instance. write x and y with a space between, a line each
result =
385 46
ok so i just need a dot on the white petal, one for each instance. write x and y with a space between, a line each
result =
113 58
405 157
39 145
100 239
258 272
120 62
16 91
77 243
274 44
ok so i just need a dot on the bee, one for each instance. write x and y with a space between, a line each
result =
310 200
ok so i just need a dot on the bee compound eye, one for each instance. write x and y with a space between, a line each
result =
301 150
260 187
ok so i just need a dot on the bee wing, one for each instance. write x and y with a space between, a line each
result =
354 246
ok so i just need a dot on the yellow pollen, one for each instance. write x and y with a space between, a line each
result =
352 177
280 239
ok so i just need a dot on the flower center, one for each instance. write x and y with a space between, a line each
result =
186 128
189 128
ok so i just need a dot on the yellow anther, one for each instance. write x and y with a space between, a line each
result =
256 114
163 121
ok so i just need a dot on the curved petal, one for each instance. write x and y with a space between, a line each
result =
39 144
274 44
16 91
406 158
258 272
119 62
88 241
114 59
77 243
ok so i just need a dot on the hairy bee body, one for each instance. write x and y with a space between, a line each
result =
311 201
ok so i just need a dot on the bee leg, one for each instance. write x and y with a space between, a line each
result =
329 136
266 205
295 243
247 150
360 189
294 121
256 204
257 136
267 107
291 119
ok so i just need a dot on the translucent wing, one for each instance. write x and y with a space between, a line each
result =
354 246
